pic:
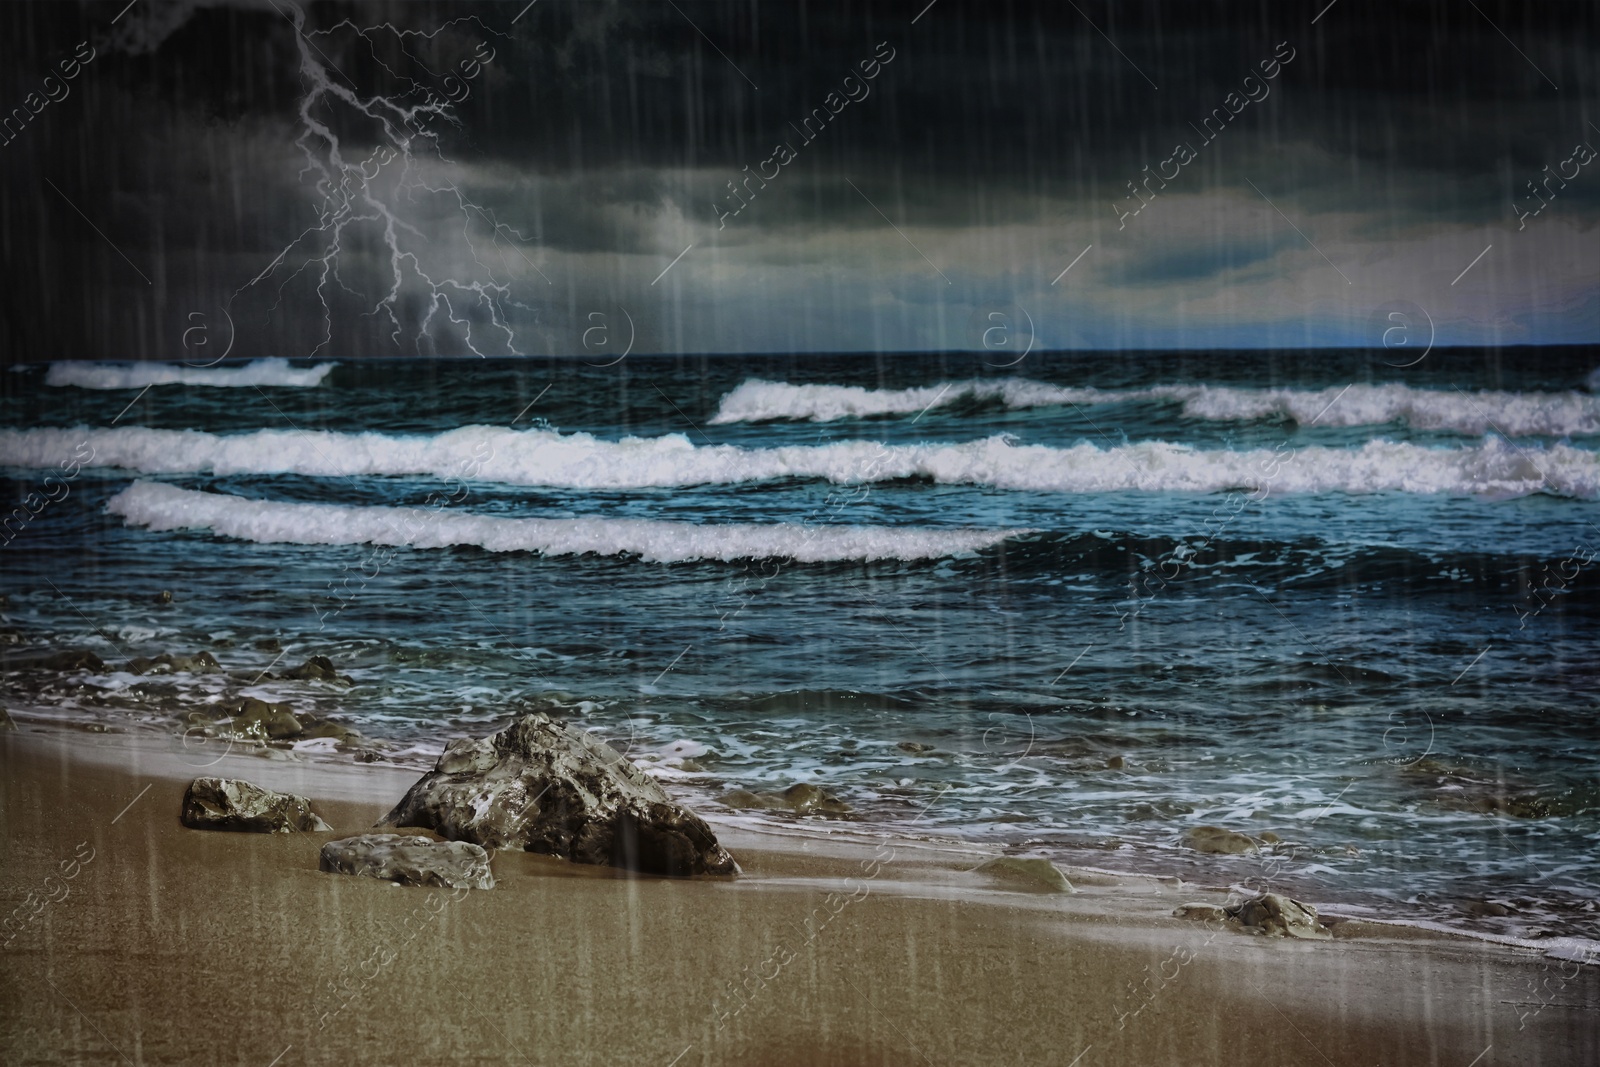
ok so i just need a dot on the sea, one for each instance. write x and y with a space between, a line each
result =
1075 606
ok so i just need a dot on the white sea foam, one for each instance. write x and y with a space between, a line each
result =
270 372
164 507
1511 413
762 401
580 460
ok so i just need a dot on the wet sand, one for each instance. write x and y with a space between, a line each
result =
175 946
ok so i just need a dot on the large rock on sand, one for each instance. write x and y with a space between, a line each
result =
543 786
234 804
409 861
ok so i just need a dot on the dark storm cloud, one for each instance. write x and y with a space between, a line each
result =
605 134
1195 259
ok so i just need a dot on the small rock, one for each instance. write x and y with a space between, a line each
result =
1201 912
164 694
1164 809
6 725
313 728
1481 909
1267 837
1280 916
801 798
268 644
75 659
916 748
234 804
1215 839
164 597
409 861
542 785
316 669
166 663
200 663
1033 871
260 719
1115 763
1527 806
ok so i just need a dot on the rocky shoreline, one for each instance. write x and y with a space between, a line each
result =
217 716
970 953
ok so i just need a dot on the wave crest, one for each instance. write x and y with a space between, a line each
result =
1511 414
160 507
582 461
270 372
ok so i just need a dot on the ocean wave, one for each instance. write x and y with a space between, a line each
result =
762 401
581 461
270 372
1512 414
164 507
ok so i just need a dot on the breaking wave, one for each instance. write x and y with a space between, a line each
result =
581 461
164 507
272 372
1512 414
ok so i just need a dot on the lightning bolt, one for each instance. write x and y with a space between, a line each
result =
367 193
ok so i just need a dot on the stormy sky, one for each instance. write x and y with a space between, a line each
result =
576 176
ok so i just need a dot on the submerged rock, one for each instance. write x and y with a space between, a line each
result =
544 786
1032 871
409 861
1161 809
1201 912
1487 909
167 663
5 721
312 728
1280 916
72 659
317 669
234 804
1215 839
802 798
1492 791
916 748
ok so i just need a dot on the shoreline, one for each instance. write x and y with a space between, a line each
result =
560 961
190 754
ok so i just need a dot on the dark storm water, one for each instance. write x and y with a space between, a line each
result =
1389 663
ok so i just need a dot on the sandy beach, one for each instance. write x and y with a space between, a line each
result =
168 945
